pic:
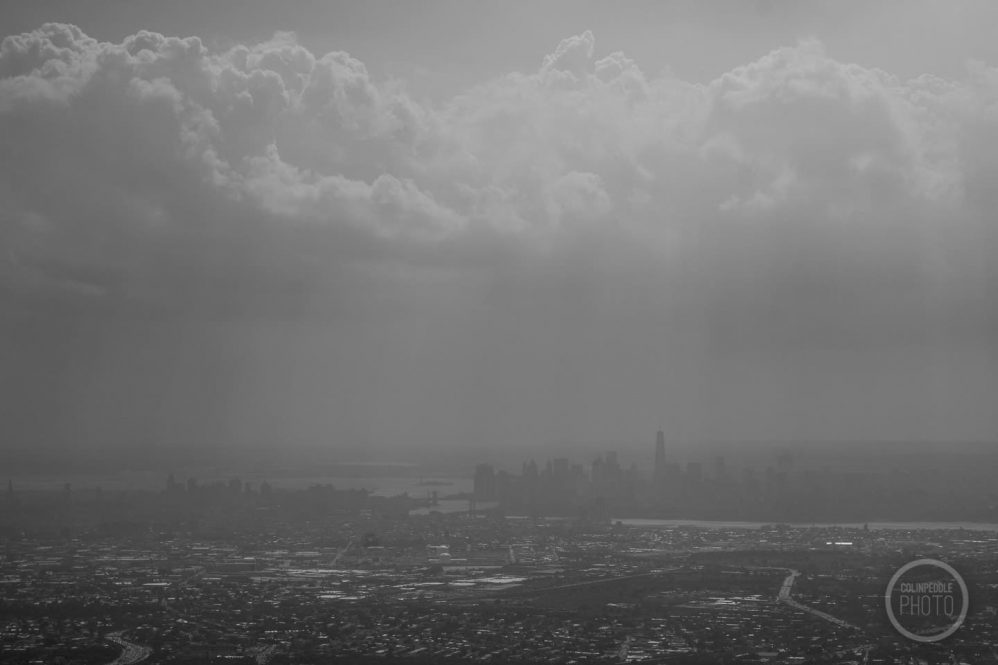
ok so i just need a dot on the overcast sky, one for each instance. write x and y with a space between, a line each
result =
464 223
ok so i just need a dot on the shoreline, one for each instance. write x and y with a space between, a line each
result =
892 525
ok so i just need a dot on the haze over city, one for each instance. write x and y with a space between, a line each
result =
403 226
451 332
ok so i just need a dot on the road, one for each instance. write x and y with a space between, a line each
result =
784 596
131 653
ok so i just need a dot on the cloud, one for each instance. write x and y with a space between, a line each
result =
574 55
157 136
794 201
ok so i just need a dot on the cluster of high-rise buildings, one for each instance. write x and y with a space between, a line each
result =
774 488
606 486
832 484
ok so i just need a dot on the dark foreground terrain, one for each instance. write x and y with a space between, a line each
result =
322 576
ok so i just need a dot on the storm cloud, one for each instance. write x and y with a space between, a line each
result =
262 243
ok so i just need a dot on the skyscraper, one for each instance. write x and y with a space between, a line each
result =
660 455
485 482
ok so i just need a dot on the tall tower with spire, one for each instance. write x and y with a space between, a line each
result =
660 455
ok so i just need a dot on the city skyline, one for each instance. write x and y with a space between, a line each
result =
384 332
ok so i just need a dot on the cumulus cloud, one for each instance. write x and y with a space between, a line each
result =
573 56
796 198
125 147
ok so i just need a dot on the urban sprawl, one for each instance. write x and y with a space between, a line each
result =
537 567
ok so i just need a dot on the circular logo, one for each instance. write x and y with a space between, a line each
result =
926 600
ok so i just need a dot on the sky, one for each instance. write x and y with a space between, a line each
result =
452 224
